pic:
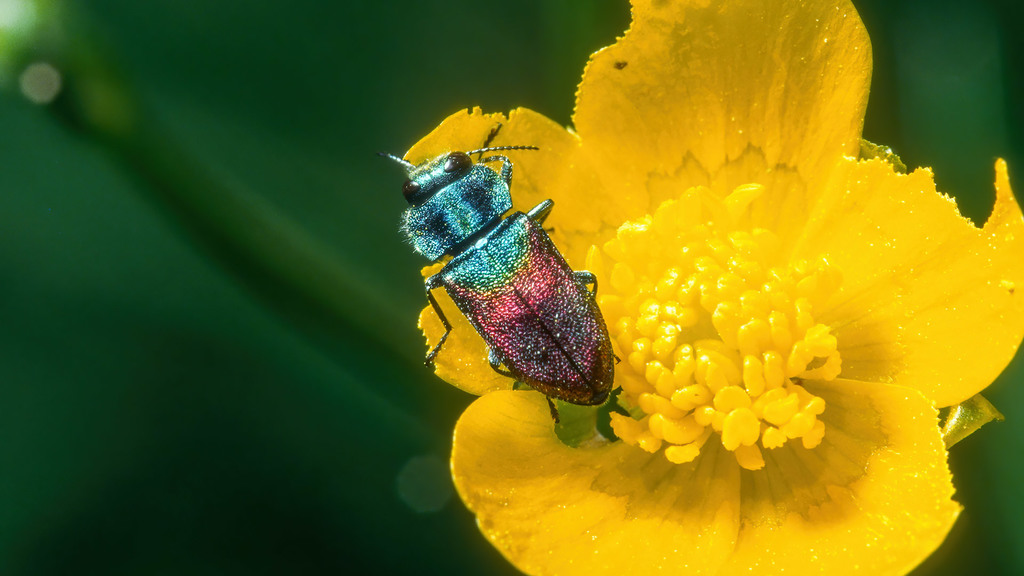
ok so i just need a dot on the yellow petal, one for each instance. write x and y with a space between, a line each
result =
875 497
607 509
703 92
463 130
928 300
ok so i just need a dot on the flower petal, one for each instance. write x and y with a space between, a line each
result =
928 300
463 130
874 498
876 495
551 509
694 87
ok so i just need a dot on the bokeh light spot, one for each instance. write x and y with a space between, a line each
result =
40 83
424 484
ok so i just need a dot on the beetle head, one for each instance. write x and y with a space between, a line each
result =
451 198
427 178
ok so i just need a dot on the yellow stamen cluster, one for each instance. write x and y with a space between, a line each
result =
716 335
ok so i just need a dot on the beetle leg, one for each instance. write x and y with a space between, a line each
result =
587 278
491 136
431 283
540 212
495 363
506 166
554 411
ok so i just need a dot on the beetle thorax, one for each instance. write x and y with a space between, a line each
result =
452 210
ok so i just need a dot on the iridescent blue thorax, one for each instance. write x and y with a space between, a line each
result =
452 203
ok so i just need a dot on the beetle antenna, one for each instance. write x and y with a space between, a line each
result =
497 148
401 161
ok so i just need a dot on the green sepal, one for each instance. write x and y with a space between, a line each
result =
870 150
576 425
965 418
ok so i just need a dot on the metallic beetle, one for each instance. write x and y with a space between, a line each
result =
538 317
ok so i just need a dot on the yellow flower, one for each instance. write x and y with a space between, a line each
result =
789 318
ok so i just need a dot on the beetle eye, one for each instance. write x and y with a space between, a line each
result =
457 162
410 188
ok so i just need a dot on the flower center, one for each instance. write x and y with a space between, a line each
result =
717 333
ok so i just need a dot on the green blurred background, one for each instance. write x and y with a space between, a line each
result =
170 403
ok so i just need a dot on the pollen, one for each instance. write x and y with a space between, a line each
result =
717 331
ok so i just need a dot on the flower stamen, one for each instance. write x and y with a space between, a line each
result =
717 331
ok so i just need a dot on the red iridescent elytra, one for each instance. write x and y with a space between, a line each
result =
533 311
537 316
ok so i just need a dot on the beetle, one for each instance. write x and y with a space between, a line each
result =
538 317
